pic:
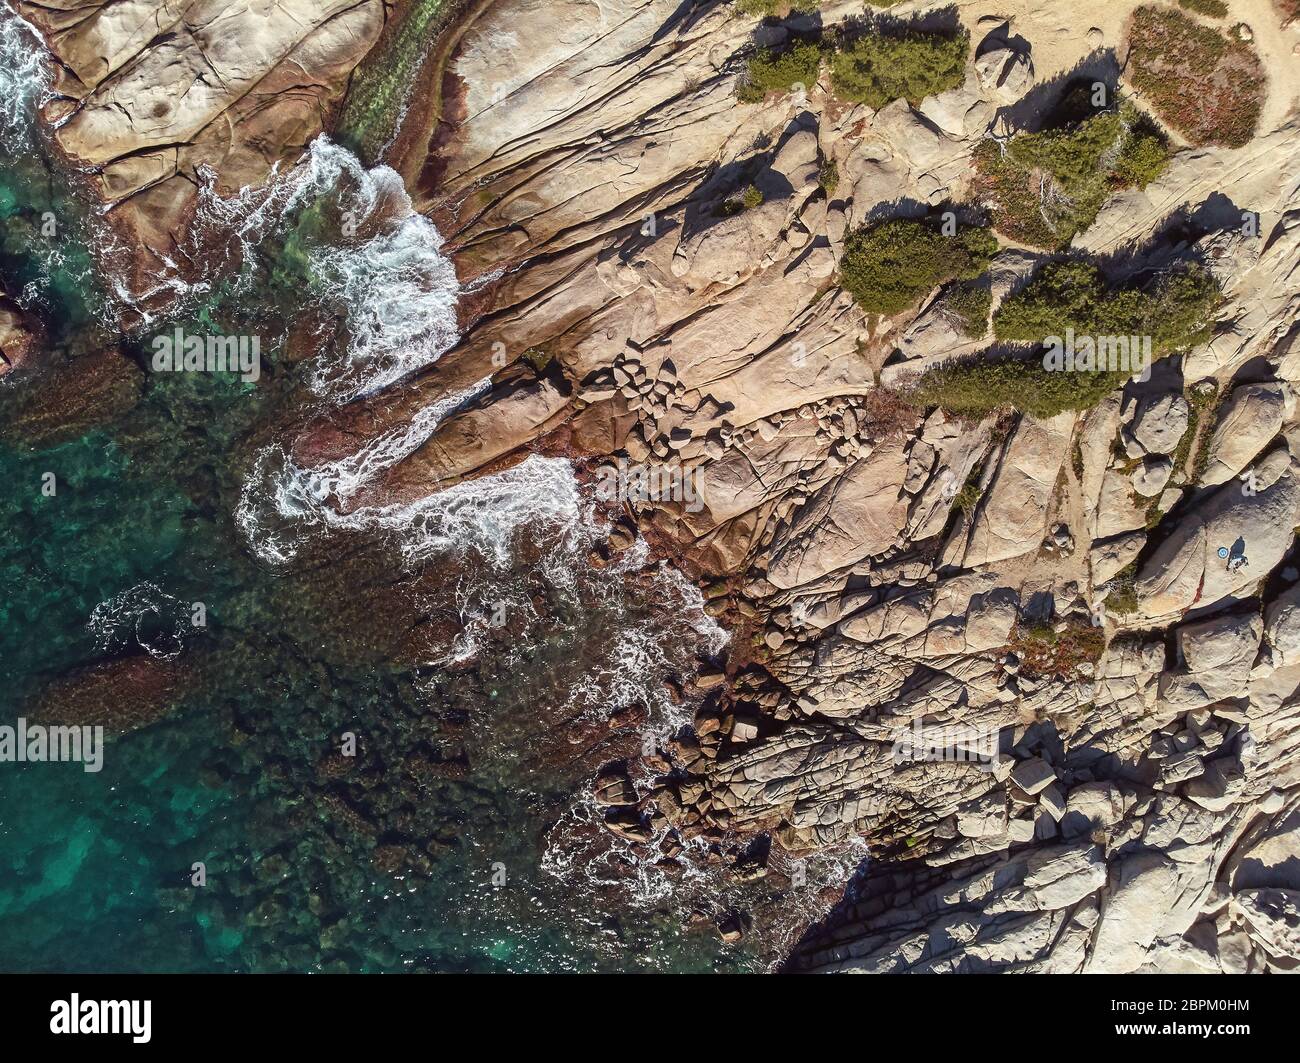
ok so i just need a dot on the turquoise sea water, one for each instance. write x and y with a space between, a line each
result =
456 838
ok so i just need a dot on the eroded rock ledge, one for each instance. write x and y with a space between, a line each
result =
155 97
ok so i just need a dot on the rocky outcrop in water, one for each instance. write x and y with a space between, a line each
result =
156 98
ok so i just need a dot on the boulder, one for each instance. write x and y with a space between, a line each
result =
1250 418
1158 424
1013 516
1110 556
1218 654
1033 775
1195 565
855 516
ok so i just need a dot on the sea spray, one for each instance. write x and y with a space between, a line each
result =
144 614
281 505
25 78
367 258
46 232
793 894
525 533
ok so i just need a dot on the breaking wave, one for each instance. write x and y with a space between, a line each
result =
25 78
379 268
617 630
592 861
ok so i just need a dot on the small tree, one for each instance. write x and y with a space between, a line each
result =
875 69
888 268
773 71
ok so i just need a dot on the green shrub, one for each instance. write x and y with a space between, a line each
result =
1181 313
969 496
1060 295
969 304
1122 599
1046 187
976 388
776 8
1176 312
1044 651
875 69
829 177
1203 410
1142 159
888 268
735 204
1211 8
772 71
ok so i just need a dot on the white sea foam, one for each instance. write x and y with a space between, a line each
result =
648 649
397 295
282 505
592 861
384 275
143 614
25 78
344 478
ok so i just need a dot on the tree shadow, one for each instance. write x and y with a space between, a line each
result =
1001 37
686 15
944 21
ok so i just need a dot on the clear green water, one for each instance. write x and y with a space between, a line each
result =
462 773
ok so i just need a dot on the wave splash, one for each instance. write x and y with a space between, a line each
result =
370 261
144 614
25 78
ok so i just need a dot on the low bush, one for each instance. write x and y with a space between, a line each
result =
1206 85
875 68
761 8
1210 8
1046 187
1176 312
1122 599
969 496
976 388
1044 651
829 177
889 267
776 8
969 304
779 71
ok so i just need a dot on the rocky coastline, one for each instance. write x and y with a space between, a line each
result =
653 274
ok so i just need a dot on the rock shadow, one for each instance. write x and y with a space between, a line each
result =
1045 105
